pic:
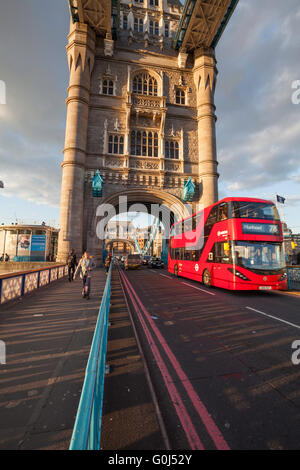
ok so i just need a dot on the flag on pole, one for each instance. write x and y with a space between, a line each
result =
280 199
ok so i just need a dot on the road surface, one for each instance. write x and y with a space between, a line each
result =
220 361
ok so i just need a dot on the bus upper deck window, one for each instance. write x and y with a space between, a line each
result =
223 212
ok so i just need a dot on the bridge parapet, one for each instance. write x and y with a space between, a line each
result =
17 284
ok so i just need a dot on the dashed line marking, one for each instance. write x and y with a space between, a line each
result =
274 318
198 288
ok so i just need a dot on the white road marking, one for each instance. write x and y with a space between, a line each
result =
274 318
165 275
198 288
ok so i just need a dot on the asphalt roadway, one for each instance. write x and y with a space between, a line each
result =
220 361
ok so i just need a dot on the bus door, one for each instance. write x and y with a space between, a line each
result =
221 258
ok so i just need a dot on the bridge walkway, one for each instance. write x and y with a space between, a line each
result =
48 336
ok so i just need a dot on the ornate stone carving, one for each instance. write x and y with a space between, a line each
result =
170 166
182 58
148 102
144 165
108 47
114 162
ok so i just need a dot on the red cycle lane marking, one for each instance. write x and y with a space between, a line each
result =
189 429
206 418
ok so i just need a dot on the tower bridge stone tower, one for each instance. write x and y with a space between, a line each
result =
140 107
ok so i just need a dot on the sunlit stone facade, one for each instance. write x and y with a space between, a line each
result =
140 112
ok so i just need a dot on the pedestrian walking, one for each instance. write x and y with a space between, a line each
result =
72 262
85 267
107 262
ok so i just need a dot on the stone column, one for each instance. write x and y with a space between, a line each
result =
205 73
81 56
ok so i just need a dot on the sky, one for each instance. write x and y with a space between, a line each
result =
258 127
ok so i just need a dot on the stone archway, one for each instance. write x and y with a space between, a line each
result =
166 206
110 242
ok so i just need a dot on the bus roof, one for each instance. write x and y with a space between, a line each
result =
227 199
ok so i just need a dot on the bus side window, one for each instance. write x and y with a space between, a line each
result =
196 220
235 209
222 212
212 218
220 254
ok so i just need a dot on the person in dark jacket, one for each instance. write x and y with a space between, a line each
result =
107 262
72 262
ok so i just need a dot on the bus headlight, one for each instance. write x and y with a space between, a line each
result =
283 277
238 274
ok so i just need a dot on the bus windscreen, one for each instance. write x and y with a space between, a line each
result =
254 210
259 255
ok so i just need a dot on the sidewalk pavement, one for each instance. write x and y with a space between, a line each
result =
48 335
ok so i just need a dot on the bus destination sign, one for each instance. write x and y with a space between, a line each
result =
260 229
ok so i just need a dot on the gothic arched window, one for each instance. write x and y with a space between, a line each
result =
144 84
180 96
144 143
172 149
107 87
154 28
138 25
116 144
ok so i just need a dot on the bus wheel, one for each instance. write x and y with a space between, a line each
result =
176 270
206 278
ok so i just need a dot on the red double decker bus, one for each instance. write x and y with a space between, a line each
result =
237 243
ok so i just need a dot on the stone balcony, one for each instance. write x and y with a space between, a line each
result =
146 106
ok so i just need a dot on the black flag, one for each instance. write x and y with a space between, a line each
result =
280 199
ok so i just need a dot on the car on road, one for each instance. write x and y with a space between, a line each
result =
132 262
156 263
146 260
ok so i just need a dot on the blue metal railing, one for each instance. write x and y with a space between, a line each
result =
87 429
293 277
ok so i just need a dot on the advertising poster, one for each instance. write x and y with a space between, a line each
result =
38 246
24 241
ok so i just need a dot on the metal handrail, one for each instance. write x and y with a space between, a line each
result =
87 428
293 277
